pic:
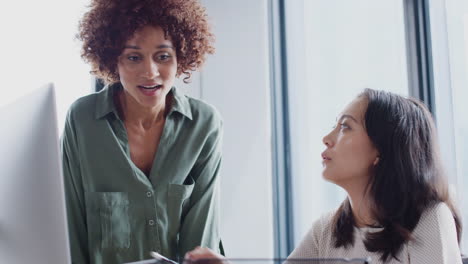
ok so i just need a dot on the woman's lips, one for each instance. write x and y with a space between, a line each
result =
150 90
150 86
325 158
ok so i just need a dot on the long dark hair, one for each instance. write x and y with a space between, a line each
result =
408 179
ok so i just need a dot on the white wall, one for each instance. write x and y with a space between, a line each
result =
38 46
236 81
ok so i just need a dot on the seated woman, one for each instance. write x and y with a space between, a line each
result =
383 152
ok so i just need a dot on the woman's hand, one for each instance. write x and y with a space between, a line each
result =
203 256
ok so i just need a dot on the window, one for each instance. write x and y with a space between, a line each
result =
449 29
335 49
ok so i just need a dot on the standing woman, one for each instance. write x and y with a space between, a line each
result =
141 159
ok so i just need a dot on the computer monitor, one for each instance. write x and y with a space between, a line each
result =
33 227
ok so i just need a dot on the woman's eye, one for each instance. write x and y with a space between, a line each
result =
343 126
133 58
164 57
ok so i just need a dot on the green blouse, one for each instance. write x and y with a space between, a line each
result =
118 214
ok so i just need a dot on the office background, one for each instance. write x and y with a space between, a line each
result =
282 71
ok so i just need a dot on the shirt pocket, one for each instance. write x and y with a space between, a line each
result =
178 201
109 222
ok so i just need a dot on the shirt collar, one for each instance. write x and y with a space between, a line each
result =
105 102
181 103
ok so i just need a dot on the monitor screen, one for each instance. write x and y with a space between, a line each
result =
33 227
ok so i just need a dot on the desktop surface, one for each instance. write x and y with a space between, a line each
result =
265 261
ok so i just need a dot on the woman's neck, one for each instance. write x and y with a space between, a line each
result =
145 117
361 206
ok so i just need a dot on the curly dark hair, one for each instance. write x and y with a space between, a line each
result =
108 24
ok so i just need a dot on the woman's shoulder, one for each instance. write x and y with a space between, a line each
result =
322 226
94 105
84 103
436 220
200 111
325 224
82 108
438 213
435 237
317 239
203 109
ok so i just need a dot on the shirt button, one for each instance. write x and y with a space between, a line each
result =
151 222
149 194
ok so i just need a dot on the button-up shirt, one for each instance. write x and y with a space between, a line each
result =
118 214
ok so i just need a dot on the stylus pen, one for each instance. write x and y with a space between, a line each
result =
158 256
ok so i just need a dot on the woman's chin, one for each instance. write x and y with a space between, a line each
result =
326 175
325 171
329 176
151 101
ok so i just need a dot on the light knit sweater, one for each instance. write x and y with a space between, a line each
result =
435 241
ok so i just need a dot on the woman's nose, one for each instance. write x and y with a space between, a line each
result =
327 140
151 70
